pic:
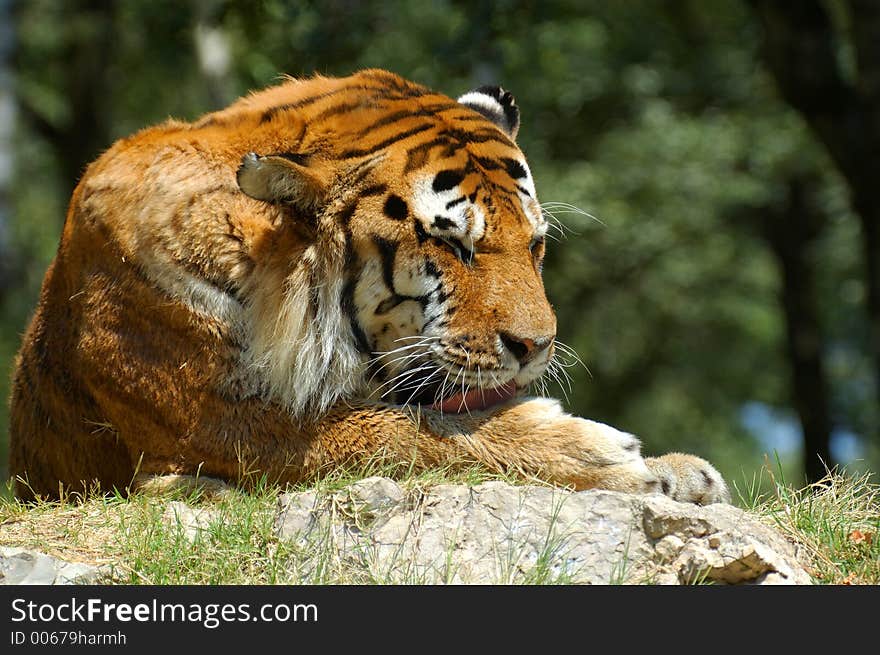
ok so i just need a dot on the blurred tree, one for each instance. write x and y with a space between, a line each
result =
8 268
77 124
829 70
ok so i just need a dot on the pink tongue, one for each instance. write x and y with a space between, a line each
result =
476 399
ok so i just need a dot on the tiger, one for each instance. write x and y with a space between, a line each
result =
329 272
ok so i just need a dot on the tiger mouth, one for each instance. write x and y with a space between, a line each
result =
476 399
456 401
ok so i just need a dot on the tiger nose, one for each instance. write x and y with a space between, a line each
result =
524 348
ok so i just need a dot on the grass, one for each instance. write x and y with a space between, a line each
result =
835 523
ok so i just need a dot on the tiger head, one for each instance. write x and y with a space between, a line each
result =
422 272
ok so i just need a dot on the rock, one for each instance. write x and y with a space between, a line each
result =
497 533
30 567
192 522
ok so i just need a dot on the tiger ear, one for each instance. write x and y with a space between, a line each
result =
281 178
497 105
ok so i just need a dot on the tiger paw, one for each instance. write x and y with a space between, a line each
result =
689 479
572 451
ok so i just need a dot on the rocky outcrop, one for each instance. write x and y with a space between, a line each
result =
497 533
376 530
30 567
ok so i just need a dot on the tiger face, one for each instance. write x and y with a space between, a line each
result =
434 211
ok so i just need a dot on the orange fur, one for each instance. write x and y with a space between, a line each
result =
231 314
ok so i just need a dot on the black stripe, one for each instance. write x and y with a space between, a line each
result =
350 255
431 269
295 157
524 190
345 214
386 120
403 114
196 266
390 303
421 234
514 168
432 320
446 180
360 171
484 135
396 299
374 190
443 223
453 203
487 163
418 155
270 113
349 309
335 110
453 139
362 152
388 252
506 202
409 89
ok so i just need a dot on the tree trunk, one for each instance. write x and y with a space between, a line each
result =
790 231
800 48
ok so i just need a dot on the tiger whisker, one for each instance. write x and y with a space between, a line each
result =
419 352
420 337
441 393
400 349
413 356
404 377
570 353
463 402
560 370
423 383
402 356
552 372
